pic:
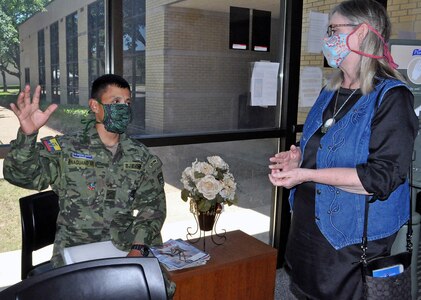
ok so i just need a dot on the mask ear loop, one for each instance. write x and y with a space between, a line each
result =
386 52
100 103
89 121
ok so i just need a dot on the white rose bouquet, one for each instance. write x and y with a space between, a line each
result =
210 184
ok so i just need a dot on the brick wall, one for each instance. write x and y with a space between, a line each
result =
193 80
405 16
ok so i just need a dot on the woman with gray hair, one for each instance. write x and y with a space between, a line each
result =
357 141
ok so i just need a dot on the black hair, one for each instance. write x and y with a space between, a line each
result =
99 86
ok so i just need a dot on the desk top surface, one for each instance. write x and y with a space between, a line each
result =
238 246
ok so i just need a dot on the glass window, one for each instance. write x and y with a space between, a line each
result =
134 46
96 40
185 77
55 63
41 61
248 161
187 80
27 75
72 58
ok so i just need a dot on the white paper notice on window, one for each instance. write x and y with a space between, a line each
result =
310 85
264 83
316 31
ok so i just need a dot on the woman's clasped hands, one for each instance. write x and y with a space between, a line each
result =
285 168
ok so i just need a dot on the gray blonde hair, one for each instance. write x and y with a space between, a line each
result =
374 14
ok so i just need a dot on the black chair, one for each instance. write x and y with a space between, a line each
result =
38 219
103 279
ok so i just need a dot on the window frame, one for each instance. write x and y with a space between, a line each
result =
286 130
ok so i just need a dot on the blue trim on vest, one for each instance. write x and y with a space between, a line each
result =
339 214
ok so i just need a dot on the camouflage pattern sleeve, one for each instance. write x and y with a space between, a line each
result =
150 203
28 165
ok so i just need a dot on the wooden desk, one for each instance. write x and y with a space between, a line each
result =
241 268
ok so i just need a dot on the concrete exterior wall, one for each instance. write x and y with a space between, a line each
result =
57 10
29 61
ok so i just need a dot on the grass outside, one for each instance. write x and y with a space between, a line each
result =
67 118
10 92
11 89
8 97
10 228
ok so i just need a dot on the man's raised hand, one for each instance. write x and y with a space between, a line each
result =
31 118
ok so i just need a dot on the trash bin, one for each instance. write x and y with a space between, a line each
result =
400 244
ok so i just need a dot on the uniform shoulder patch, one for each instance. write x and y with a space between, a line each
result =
51 144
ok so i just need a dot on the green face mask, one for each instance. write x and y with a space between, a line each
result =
117 117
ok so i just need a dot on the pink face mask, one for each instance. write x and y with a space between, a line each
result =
386 52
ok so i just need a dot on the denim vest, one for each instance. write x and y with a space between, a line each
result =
339 214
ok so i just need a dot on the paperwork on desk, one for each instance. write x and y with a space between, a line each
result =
179 254
91 251
173 254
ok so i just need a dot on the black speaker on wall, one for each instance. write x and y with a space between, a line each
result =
260 36
239 28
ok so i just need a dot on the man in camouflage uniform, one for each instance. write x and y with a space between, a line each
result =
110 187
